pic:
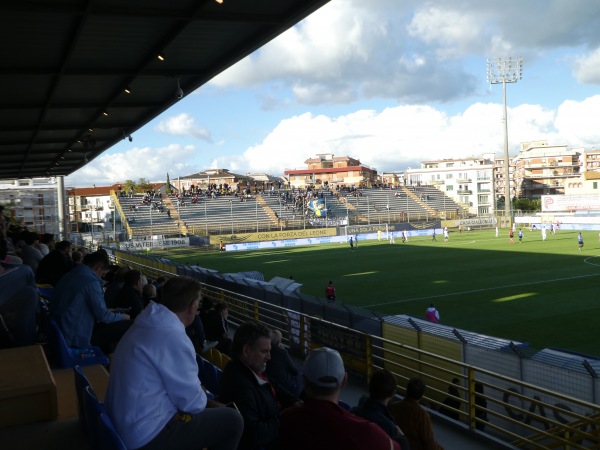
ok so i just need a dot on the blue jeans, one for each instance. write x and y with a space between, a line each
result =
18 293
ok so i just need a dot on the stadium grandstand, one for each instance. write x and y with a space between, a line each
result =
235 212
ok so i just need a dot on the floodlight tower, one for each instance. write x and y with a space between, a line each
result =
505 71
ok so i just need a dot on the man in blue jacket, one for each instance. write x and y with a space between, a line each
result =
79 309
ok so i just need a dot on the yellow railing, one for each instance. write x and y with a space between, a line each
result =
123 217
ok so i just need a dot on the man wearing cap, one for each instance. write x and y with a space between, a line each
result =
321 423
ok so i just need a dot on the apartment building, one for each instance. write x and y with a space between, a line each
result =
468 181
91 208
499 178
33 201
208 177
589 161
543 169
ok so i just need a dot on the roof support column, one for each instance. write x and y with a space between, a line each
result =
62 218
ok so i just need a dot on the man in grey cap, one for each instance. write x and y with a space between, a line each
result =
321 424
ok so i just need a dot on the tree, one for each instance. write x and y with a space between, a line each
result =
527 204
143 185
129 185
168 188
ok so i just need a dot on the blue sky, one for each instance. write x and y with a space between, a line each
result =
389 82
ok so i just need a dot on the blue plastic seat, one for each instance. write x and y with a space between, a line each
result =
93 408
67 357
81 383
209 375
46 291
108 437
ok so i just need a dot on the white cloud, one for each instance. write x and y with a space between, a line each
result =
146 162
587 68
455 33
577 122
412 51
183 125
347 50
391 139
397 137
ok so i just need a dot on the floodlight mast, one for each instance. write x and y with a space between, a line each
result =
505 71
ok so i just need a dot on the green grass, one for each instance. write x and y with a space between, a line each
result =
544 293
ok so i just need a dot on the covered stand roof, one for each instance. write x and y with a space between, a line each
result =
78 76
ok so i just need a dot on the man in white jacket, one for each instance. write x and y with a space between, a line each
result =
154 396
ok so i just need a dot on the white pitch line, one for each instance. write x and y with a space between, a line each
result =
482 290
591 263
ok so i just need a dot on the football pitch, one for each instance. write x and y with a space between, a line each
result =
541 292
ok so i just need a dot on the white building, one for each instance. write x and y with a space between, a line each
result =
91 208
468 181
34 202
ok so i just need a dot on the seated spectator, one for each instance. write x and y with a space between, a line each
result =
382 389
116 281
159 282
245 384
129 297
30 253
452 402
76 258
432 314
149 294
46 243
281 368
413 419
55 264
7 249
18 294
198 337
217 328
79 309
321 424
480 407
154 396
206 309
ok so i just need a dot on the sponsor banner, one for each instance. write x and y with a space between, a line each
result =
273 235
361 229
155 244
477 222
556 203
284 243
549 219
326 240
